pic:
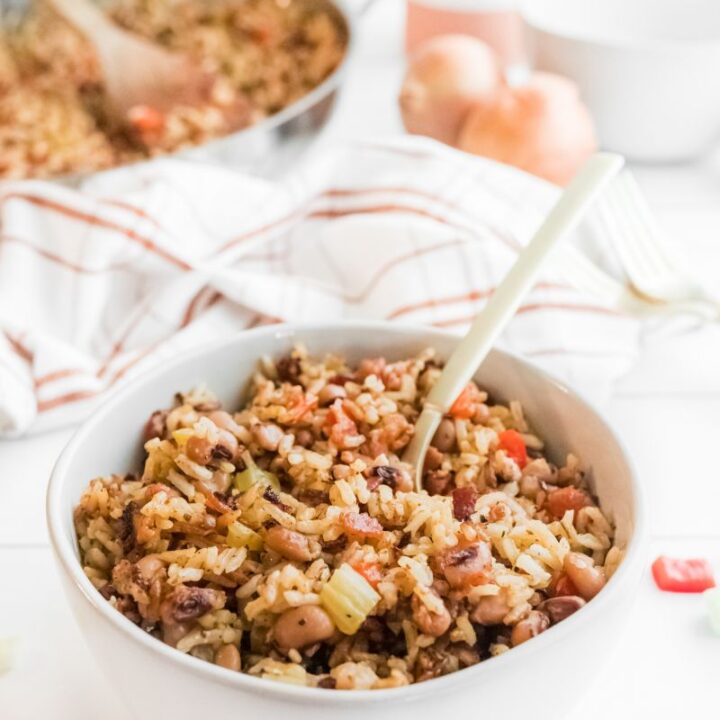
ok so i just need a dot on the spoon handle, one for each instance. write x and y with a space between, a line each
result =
489 323
504 302
85 15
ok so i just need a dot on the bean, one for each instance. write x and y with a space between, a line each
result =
288 543
534 624
482 414
530 486
444 438
354 676
469 565
561 607
302 626
224 420
490 610
330 393
267 436
304 438
199 450
433 459
371 366
588 579
149 565
174 632
227 445
228 656
433 623
404 481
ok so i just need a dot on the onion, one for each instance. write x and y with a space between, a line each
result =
446 77
541 127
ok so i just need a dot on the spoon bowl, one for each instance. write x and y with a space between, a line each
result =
487 326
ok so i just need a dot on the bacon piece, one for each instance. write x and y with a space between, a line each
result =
464 499
338 425
156 425
568 498
288 369
361 525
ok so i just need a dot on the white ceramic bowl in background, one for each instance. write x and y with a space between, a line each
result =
647 69
541 679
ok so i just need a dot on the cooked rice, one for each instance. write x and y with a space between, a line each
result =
157 543
265 55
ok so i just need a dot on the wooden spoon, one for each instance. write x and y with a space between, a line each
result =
474 347
136 72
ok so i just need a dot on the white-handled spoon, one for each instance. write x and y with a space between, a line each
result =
474 347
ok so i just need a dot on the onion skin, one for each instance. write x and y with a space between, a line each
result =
446 78
541 127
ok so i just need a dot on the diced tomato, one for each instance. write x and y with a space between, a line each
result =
369 570
361 525
568 498
338 425
146 119
683 576
298 411
464 407
514 446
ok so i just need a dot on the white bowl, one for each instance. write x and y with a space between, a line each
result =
541 679
647 69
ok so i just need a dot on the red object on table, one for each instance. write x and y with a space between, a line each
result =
514 446
683 576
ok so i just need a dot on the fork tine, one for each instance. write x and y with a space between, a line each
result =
614 216
645 229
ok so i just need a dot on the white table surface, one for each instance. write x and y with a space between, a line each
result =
666 663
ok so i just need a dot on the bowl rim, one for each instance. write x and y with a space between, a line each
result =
536 20
65 550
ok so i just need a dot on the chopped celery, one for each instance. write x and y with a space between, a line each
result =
252 475
348 598
240 536
182 435
712 598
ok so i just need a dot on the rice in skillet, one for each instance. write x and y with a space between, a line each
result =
263 55
285 540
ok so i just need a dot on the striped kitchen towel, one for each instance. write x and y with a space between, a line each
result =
98 284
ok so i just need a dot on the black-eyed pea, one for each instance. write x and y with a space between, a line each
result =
290 544
434 622
535 623
444 438
561 607
302 626
267 436
330 393
588 579
199 450
228 656
490 610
